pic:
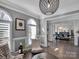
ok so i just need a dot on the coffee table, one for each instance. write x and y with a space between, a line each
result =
44 55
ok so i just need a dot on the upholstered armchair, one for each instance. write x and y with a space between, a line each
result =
36 49
5 53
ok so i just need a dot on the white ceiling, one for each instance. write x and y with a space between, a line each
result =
33 6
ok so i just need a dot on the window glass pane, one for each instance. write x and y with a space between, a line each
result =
6 17
1 14
32 22
33 32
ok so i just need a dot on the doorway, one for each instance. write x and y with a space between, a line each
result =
61 32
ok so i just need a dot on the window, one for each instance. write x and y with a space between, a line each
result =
5 22
4 25
32 27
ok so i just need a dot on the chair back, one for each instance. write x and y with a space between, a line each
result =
4 50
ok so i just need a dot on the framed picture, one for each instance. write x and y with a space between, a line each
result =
19 24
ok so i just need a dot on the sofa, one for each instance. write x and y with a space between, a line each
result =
62 36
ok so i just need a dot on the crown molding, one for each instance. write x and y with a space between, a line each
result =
18 8
70 17
62 15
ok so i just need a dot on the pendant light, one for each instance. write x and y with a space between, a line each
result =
48 7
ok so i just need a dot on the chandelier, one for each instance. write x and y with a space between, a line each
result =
48 7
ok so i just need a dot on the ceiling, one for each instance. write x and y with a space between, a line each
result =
33 6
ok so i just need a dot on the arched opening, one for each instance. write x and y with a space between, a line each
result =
5 26
32 28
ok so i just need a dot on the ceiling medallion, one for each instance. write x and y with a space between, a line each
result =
48 7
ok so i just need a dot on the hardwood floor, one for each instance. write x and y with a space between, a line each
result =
61 49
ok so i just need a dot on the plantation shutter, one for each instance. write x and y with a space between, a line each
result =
4 30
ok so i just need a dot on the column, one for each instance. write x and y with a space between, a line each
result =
53 37
50 32
43 38
76 35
